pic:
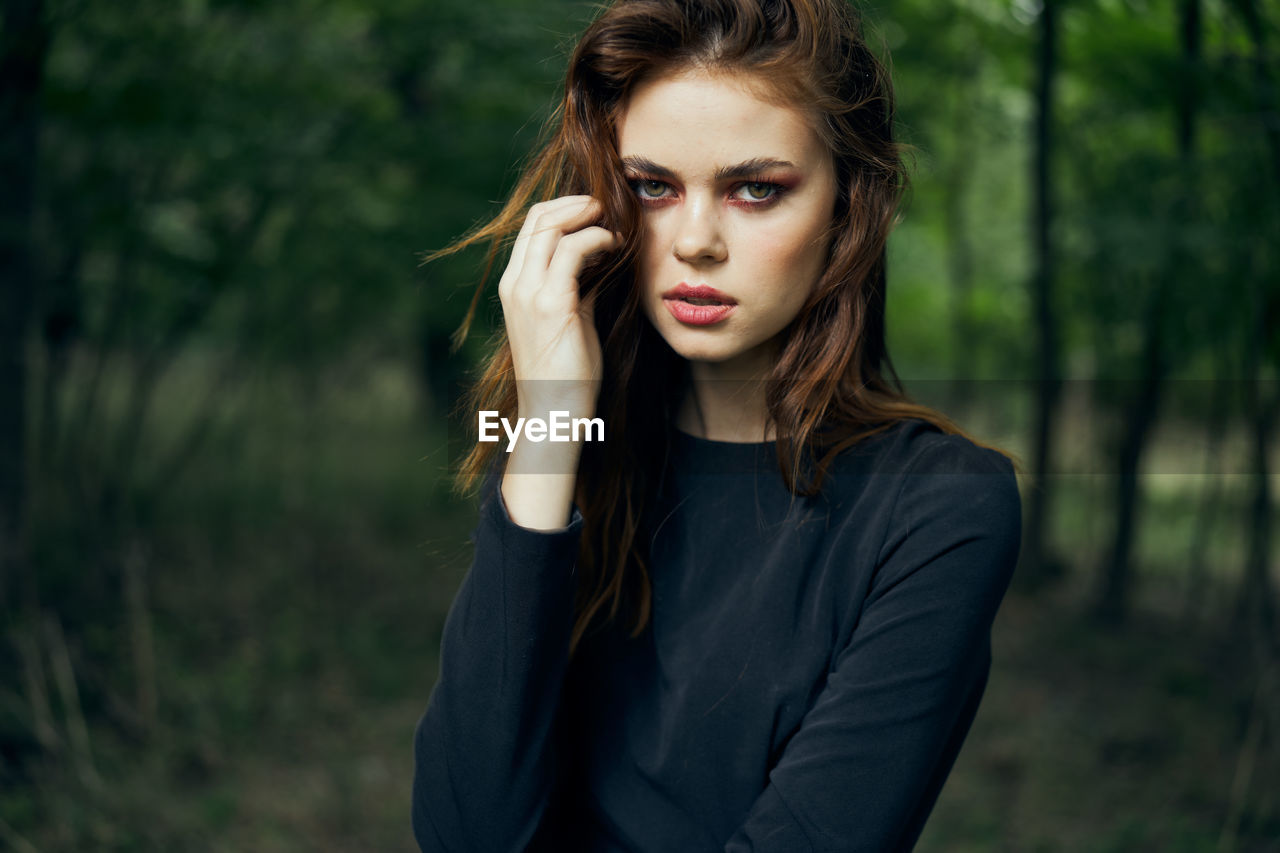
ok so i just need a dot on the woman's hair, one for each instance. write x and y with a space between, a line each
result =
833 384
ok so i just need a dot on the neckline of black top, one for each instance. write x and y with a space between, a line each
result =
691 453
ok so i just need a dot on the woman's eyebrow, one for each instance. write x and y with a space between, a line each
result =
647 167
745 169
752 168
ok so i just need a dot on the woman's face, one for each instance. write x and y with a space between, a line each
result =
737 194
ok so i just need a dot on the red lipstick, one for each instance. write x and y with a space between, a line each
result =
698 306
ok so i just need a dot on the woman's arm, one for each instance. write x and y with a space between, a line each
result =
865 766
483 757
555 351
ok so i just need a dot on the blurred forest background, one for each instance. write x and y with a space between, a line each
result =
227 541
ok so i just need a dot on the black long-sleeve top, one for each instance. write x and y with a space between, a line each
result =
810 670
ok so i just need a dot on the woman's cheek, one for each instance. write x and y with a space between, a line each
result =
802 246
651 252
774 251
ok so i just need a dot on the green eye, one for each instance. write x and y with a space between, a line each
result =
759 191
650 189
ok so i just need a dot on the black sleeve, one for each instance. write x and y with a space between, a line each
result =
483 756
868 758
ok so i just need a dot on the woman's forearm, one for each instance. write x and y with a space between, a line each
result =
484 759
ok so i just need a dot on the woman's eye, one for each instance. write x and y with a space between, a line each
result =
649 189
758 191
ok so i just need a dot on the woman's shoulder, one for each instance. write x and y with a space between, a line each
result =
915 446
920 472
951 481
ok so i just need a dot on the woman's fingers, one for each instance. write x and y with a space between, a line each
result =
572 250
540 218
547 232
550 331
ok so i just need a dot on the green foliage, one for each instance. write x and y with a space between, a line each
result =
235 504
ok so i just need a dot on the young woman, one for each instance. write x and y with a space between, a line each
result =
756 616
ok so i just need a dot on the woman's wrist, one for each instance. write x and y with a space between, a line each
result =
539 482
539 501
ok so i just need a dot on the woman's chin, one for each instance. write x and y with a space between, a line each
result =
720 346
705 353
712 346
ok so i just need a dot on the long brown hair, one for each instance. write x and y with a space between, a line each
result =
833 384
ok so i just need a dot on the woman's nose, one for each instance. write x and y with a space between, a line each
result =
698 239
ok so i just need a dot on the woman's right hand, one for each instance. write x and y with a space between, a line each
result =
554 345
555 351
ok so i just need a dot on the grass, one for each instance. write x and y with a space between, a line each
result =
296 582
1098 739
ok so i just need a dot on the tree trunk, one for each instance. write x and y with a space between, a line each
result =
23 43
436 368
1037 564
1115 590
1189 91
960 396
1198 571
1210 498
1257 593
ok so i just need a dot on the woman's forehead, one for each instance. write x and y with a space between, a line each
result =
707 120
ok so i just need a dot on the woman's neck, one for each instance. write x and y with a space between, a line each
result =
725 402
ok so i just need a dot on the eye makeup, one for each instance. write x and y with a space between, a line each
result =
755 192
758 192
755 186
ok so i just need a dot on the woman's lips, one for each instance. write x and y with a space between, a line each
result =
698 306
